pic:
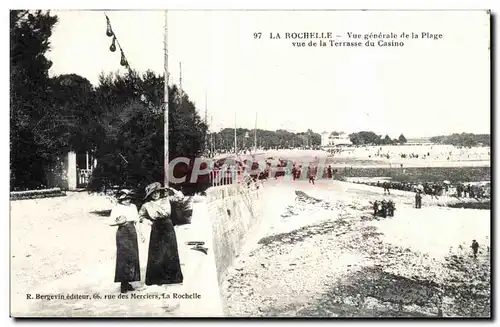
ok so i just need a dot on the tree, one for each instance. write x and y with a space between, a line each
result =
402 139
387 139
463 139
314 137
77 111
365 138
224 140
33 131
132 118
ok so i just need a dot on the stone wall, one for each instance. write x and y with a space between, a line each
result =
235 213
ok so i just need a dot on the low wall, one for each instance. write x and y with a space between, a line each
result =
199 270
235 212
224 220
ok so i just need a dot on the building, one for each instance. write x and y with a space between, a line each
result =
335 139
419 141
339 139
72 171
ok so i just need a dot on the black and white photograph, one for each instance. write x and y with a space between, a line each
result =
174 163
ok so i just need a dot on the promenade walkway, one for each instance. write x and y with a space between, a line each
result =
90 292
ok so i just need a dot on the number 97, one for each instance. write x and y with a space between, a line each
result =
257 35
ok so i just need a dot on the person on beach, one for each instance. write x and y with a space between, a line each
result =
386 188
383 209
311 174
375 208
125 215
390 208
475 248
163 257
329 172
418 199
294 171
298 172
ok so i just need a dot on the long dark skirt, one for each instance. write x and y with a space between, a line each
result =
163 256
127 254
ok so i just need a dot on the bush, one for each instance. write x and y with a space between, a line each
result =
36 194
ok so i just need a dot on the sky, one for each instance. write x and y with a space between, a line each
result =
426 87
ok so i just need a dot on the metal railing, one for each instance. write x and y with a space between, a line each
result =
229 176
224 177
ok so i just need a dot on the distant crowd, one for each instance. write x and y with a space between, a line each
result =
431 152
384 208
460 190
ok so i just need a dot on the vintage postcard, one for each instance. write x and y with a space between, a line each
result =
250 163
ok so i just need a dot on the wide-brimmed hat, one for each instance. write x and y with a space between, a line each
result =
124 194
153 187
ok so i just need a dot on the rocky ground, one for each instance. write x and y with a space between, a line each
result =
336 260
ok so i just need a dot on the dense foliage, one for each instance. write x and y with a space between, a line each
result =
280 139
370 138
120 121
131 153
459 140
463 139
32 115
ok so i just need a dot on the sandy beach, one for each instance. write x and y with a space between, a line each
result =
333 258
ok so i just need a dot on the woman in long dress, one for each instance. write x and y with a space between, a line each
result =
125 215
163 256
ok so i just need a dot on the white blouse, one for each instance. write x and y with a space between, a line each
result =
153 210
160 208
128 211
